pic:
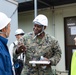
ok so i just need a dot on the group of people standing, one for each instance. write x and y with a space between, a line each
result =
32 46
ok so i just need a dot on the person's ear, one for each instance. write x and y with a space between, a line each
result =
4 30
44 27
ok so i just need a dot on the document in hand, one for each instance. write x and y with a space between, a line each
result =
39 62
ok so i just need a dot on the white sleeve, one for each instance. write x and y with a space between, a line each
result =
11 51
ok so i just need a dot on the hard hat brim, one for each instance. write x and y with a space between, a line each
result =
5 23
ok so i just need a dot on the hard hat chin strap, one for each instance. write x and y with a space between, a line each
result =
39 33
2 32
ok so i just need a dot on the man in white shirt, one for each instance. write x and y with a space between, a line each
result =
18 34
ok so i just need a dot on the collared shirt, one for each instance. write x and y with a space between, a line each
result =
5 61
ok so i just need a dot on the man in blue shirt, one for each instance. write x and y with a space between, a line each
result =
5 61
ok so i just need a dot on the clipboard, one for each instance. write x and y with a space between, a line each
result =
39 62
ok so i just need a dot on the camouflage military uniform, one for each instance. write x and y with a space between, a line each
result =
47 47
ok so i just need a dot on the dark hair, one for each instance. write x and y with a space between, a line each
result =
0 30
20 34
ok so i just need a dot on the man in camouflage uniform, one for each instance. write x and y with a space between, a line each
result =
38 44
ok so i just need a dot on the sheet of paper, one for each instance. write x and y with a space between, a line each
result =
39 62
73 30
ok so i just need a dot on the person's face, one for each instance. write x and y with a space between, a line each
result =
8 30
18 36
37 29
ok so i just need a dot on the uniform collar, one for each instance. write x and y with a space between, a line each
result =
4 40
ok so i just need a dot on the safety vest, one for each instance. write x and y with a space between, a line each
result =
73 64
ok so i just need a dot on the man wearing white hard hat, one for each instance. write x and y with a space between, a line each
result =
42 50
18 34
5 60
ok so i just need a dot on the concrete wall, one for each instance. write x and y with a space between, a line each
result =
8 7
55 28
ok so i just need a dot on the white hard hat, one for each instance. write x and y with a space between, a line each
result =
4 20
41 20
19 31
